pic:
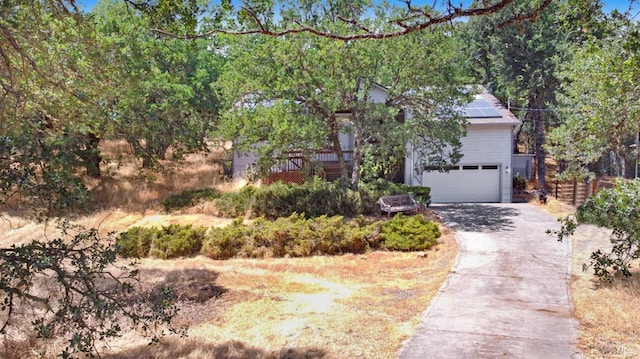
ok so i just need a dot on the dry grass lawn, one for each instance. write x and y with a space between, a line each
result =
350 306
320 307
609 314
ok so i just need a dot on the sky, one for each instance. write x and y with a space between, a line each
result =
621 5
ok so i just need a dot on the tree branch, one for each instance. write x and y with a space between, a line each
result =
423 20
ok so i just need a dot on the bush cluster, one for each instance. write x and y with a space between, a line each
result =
292 236
314 198
172 241
519 183
235 204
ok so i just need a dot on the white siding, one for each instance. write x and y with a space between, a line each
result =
242 162
483 145
378 94
487 144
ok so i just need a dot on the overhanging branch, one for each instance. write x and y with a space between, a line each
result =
414 20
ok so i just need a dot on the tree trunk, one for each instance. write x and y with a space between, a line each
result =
161 151
538 122
337 149
90 155
516 138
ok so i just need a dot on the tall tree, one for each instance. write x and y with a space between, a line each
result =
48 83
520 61
49 122
286 93
600 108
253 17
161 95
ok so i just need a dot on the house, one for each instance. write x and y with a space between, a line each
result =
484 173
290 169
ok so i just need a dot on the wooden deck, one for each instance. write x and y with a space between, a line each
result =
291 169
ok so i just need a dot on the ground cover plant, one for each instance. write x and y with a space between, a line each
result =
293 236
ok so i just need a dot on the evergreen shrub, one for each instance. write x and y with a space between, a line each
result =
235 204
175 241
167 242
136 242
293 236
412 233
313 199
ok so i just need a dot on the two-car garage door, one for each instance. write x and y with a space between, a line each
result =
464 183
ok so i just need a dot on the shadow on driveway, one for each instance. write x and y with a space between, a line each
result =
477 217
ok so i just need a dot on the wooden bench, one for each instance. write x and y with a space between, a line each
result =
398 203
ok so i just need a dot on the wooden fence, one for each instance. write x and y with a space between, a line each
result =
576 193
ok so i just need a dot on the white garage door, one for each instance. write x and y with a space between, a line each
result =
465 183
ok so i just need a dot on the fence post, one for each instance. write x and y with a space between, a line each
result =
587 190
575 192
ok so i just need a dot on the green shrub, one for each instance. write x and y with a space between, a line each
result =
617 208
519 183
136 242
314 198
167 242
294 236
188 198
177 241
225 242
235 204
412 233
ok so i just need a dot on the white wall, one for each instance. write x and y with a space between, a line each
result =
523 165
242 161
378 94
486 144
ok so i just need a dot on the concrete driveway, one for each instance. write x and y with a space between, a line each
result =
507 296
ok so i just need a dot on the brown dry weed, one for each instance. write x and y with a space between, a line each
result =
319 307
325 307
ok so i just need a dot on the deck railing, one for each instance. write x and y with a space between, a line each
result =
296 161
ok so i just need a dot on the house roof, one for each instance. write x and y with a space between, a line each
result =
485 109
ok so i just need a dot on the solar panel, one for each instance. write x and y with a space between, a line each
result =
480 109
473 113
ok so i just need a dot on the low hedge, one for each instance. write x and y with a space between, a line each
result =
292 236
166 242
314 198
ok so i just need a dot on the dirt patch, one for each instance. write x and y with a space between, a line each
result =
319 307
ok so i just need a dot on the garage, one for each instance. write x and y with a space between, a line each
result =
464 183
